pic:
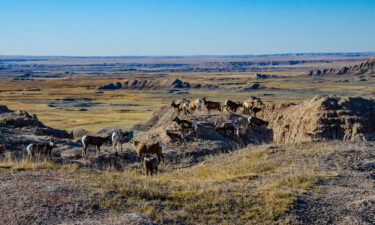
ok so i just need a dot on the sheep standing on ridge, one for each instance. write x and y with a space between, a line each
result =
196 104
176 135
252 105
256 122
183 107
210 105
118 138
93 140
40 148
231 106
186 125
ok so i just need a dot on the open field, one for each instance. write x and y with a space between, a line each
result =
47 85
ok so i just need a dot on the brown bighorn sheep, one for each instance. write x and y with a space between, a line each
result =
119 136
175 135
196 104
252 105
231 106
257 122
226 130
186 125
211 105
151 165
154 148
183 107
40 148
95 141
240 132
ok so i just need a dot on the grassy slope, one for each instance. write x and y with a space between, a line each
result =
249 186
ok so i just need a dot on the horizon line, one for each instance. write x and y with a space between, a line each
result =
359 53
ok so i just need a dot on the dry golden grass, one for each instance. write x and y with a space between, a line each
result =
251 186
16 96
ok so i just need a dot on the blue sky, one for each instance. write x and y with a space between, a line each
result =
184 27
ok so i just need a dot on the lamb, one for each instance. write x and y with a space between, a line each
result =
151 165
154 148
176 135
118 138
211 105
40 148
232 106
186 125
93 140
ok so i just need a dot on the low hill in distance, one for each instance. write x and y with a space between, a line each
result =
365 68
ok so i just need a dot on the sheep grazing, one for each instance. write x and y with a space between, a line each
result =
211 105
183 107
176 135
154 148
231 106
196 104
186 125
151 165
118 137
257 122
40 148
93 140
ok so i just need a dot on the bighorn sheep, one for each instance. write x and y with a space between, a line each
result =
226 130
240 132
183 107
154 148
196 104
211 105
151 165
176 135
232 106
257 122
185 124
40 148
93 140
252 105
118 138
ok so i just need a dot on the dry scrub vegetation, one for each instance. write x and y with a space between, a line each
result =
254 185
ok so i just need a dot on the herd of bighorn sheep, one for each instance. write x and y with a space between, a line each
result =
185 128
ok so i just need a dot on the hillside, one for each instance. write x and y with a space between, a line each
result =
321 170
365 68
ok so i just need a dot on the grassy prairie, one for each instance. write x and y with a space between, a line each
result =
127 107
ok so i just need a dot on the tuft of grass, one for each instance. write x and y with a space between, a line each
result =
24 164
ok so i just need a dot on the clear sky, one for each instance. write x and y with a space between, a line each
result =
184 27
